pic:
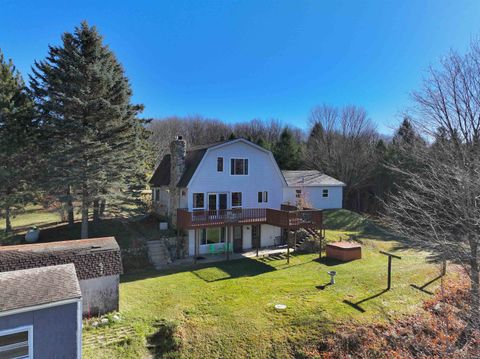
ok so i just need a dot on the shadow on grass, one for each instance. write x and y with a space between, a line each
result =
329 262
233 269
357 306
163 342
422 288
208 272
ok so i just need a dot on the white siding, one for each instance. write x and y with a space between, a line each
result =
313 196
262 176
268 234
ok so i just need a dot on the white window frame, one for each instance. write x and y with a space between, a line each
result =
204 231
323 193
26 328
231 200
193 200
263 196
298 193
223 164
247 167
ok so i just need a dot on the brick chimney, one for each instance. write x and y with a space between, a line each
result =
178 151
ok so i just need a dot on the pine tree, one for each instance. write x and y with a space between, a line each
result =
96 142
287 151
17 138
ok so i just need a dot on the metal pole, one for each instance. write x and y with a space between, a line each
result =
389 272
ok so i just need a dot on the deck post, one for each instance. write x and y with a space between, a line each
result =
288 248
228 242
196 245
295 241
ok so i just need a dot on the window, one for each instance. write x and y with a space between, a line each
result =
298 193
325 193
156 195
16 343
263 197
236 199
212 235
239 166
198 200
219 164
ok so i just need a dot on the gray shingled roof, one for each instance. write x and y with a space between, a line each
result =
31 287
161 176
310 178
93 258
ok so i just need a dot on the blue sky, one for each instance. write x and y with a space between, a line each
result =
238 60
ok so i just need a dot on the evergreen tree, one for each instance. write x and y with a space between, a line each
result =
96 143
17 138
287 151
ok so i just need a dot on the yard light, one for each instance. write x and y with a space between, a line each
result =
332 276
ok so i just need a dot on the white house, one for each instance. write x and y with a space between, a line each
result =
232 194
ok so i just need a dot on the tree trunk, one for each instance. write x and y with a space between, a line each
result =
8 223
475 288
96 210
84 230
70 215
103 204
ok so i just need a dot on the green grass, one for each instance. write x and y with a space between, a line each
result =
32 216
226 309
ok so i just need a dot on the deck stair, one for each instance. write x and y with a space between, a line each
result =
158 254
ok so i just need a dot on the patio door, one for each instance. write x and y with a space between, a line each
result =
217 201
256 242
212 201
237 239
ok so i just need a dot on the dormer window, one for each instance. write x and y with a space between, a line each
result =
239 166
219 164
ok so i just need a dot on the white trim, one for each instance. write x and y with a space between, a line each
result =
79 329
40 306
275 164
205 205
239 158
328 193
223 164
25 328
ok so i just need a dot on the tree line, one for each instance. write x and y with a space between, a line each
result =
341 142
72 135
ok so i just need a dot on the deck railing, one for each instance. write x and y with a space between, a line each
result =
238 216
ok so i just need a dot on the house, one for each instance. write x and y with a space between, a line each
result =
232 194
41 313
98 265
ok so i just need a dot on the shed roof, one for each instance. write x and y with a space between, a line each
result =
36 286
310 178
93 258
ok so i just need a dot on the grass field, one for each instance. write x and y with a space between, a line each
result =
226 310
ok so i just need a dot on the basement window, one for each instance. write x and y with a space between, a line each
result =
212 235
16 343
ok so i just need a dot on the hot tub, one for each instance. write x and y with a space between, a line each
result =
344 251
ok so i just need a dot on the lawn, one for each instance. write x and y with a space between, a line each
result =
226 310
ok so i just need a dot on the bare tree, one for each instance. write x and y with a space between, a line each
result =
342 144
438 209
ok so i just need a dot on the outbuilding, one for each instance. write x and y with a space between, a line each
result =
97 261
41 313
